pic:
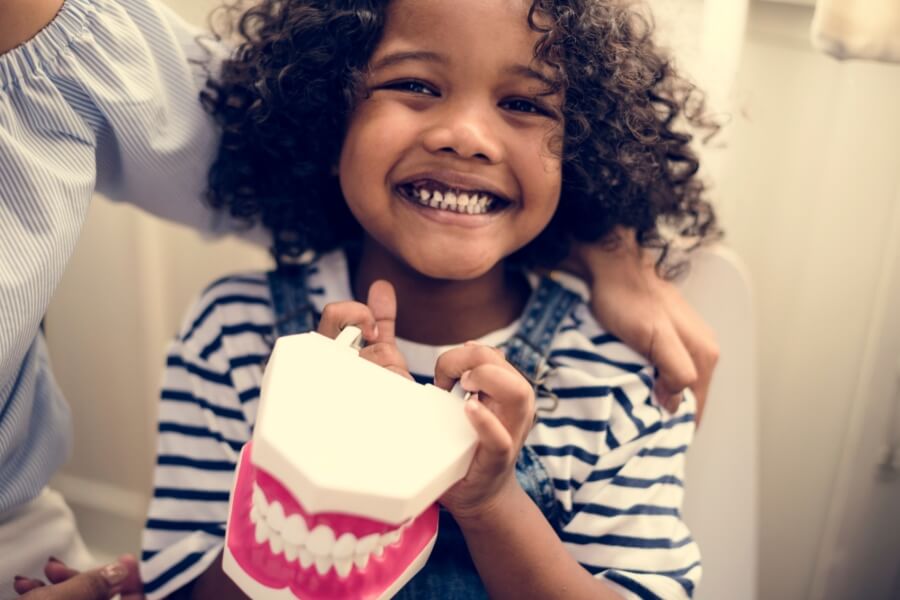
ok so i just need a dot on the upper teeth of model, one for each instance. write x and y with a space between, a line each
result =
290 535
473 203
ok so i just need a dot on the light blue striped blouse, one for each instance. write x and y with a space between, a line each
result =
105 98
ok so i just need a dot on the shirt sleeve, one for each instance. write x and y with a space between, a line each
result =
104 98
617 460
205 418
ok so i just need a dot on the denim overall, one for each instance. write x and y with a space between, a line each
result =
450 573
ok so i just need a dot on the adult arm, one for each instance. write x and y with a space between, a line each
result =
20 20
649 314
93 97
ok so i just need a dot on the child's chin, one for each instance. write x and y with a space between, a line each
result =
457 272
455 266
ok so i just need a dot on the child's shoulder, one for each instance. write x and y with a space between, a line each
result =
583 341
233 303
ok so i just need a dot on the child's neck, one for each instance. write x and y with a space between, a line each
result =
440 311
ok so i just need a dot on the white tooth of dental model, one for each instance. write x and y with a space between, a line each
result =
328 495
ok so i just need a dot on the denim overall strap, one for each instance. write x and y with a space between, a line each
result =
450 573
294 313
528 351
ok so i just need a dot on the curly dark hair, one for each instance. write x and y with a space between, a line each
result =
283 101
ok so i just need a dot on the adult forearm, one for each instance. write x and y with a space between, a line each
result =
20 20
518 555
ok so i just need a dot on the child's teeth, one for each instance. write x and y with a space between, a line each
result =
450 198
361 560
462 201
424 194
439 197
276 542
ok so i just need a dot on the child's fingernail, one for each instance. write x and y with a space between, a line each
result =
375 332
472 404
114 574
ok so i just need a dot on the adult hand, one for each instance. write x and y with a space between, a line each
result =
121 577
650 315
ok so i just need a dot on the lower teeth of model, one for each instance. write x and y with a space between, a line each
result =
472 204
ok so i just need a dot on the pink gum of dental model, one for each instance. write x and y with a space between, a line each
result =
272 570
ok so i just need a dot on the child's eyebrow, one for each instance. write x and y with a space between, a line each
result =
399 57
529 73
427 56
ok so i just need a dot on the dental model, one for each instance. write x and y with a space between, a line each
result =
334 497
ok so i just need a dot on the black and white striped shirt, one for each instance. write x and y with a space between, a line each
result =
616 458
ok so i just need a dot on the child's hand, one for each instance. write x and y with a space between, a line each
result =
502 411
376 320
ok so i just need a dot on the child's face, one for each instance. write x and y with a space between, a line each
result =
447 164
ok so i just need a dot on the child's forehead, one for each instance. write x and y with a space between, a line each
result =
461 21
486 36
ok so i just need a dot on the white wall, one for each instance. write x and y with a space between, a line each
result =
808 194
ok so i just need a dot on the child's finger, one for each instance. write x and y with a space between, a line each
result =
386 355
495 445
506 394
338 315
382 301
453 363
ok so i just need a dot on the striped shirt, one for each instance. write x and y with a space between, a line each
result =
105 98
616 458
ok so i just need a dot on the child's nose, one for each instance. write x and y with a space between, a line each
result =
466 134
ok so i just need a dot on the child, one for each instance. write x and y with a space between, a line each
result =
428 153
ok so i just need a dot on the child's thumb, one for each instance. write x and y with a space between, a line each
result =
382 301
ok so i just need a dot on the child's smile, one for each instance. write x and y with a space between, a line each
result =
447 162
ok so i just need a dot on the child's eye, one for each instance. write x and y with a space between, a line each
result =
525 106
412 86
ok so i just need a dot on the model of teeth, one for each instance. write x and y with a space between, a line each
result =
473 203
328 502
290 535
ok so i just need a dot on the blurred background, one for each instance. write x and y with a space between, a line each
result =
806 177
